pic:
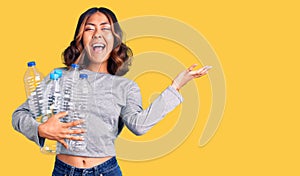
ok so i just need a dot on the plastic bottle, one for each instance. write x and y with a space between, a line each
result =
34 89
82 93
69 80
51 106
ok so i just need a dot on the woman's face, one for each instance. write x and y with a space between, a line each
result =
98 39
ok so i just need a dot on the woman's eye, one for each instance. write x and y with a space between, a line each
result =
105 29
88 29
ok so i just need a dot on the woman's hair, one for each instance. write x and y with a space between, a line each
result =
120 57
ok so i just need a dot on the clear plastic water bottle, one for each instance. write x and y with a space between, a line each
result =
34 89
82 93
69 79
52 104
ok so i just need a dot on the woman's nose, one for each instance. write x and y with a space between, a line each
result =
97 34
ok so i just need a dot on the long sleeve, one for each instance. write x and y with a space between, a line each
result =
23 122
139 121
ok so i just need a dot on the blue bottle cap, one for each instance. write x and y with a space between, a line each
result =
74 65
54 76
59 72
31 64
83 76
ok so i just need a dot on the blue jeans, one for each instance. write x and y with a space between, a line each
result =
108 168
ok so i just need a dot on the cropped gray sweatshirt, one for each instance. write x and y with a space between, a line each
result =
116 100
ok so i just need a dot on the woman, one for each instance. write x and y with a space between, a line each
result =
98 48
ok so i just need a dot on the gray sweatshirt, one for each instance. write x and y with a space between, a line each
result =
116 100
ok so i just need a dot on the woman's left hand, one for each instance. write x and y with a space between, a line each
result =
189 74
53 129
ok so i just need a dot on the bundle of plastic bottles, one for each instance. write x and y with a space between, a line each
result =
59 92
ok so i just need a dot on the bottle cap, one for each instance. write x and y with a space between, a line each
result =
31 64
54 76
59 72
74 65
83 76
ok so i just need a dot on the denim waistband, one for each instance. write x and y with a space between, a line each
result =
101 168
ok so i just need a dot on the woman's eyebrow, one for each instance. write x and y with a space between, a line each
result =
104 23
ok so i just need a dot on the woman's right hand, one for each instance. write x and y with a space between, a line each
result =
53 129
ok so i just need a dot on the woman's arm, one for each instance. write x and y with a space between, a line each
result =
53 129
139 121
24 122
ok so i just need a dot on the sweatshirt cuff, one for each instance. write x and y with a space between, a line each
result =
172 98
176 93
38 140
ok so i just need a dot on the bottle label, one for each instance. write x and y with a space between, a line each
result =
37 78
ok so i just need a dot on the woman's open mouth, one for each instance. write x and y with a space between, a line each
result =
98 47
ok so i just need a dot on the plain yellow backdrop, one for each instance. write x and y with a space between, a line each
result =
258 46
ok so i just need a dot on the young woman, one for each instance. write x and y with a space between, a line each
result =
98 48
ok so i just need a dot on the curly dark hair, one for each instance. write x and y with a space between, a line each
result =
121 55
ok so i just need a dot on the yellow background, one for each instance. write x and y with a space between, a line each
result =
258 46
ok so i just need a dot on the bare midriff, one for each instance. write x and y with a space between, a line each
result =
81 161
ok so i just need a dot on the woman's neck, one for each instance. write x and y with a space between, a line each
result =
100 68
